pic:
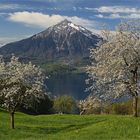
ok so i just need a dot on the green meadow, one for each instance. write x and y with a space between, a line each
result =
69 127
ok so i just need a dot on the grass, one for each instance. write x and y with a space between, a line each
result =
69 127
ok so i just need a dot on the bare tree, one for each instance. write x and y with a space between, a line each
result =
115 67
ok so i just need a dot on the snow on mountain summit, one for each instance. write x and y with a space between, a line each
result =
66 27
73 26
63 41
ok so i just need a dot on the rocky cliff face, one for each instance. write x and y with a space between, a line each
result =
64 41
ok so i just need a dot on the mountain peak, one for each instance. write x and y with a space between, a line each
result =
64 41
67 24
66 21
63 24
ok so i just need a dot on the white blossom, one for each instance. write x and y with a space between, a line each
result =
115 66
19 83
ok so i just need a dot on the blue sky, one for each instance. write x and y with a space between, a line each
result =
22 18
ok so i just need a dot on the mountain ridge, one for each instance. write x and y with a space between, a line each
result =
64 41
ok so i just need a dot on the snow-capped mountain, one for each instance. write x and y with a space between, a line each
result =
64 41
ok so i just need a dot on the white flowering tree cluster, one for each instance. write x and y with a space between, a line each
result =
91 104
20 84
115 67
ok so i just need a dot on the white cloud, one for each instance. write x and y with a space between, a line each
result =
44 20
99 16
90 9
118 16
15 7
3 14
113 16
9 6
4 40
117 9
135 16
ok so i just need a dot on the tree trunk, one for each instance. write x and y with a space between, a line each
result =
12 121
135 105
82 112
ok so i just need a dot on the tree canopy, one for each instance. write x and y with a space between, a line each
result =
115 66
20 84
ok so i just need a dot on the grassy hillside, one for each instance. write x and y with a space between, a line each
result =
69 127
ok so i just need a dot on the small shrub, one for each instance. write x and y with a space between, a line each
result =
64 104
